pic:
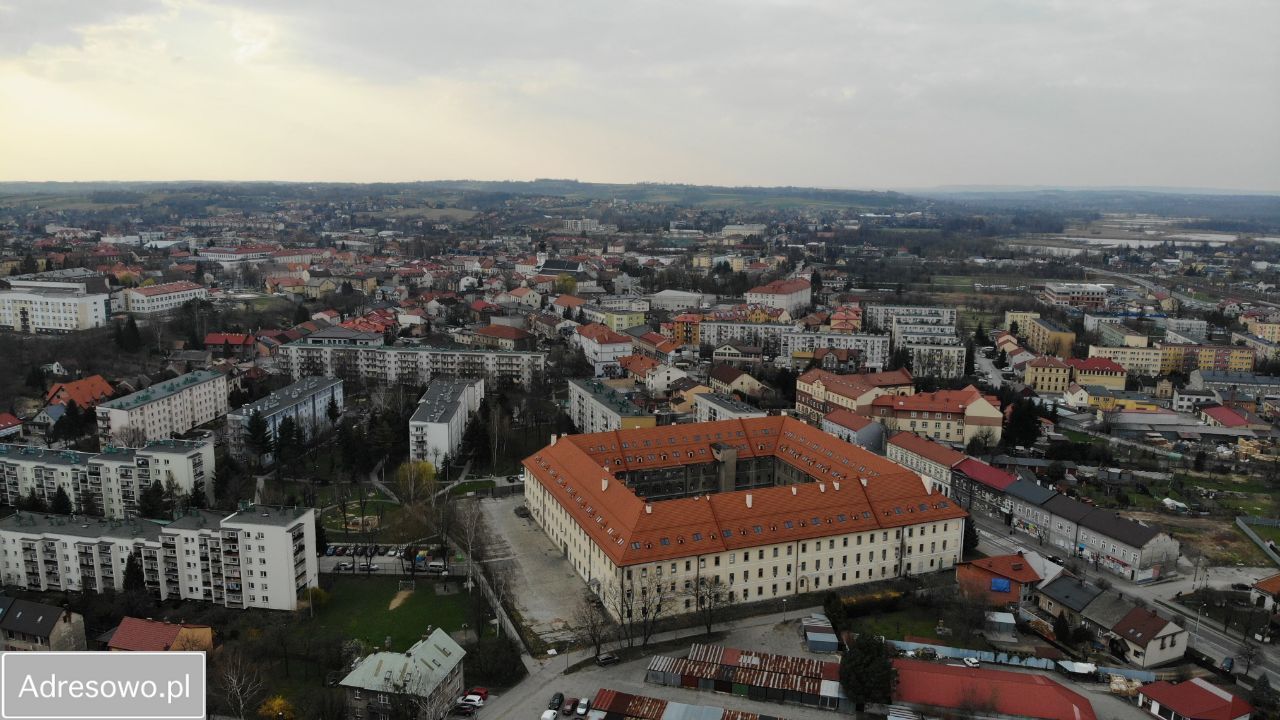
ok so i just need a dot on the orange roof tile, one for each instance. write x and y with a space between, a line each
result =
855 490
86 392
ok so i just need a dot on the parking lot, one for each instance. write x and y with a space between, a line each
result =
545 588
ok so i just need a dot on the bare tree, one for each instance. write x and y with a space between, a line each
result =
240 683
591 624
709 596
470 526
415 479
130 436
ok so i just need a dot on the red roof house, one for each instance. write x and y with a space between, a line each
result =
138 635
1000 580
87 392
951 687
1195 699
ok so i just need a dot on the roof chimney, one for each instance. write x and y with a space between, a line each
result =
749 497
553 438
835 486
794 490
822 487
863 480
604 484
648 509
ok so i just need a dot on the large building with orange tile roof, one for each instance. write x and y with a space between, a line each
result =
818 392
86 393
956 416
769 507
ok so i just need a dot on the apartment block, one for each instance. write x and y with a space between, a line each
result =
819 392
1047 374
881 317
1265 329
1086 296
874 348
52 310
306 402
437 426
1050 337
361 357
162 298
165 409
1018 318
616 320
709 407
596 407
258 557
108 483
1112 333
1137 361
941 357
1189 358
793 295
763 335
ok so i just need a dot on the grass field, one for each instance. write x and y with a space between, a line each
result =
920 622
470 486
1266 532
359 607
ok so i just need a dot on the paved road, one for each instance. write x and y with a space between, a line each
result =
987 368
1207 637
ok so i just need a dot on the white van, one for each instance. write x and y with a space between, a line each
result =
436 566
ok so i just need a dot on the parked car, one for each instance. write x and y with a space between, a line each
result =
1242 587
369 567
329 551
475 700
344 566
522 511
567 708
548 715
971 662
606 659
483 692
386 551
342 550
513 478
556 701
583 706
463 710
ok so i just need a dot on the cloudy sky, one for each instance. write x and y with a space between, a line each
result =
836 93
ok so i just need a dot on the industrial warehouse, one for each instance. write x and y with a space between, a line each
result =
752 508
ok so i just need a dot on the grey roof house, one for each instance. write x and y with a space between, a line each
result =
421 683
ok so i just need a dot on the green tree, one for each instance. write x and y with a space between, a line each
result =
61 502
1265 699
566 284
867 673
257 437
969 358
980 334
1023 427
151 503
970 536
131 337
1062 629
332 411
288 442
301 314
134 580
322 536
36 378
32 502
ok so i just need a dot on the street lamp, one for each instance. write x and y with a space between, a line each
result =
1197 632
784 610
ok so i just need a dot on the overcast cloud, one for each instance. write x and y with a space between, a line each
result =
840 93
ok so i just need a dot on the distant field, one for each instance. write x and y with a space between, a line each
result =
61 202
424 213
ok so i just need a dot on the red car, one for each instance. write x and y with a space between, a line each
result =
568 707
482 692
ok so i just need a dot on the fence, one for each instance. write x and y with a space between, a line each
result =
1244 521
987 656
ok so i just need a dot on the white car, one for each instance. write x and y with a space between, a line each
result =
472 700
971 662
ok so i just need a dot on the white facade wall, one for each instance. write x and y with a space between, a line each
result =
53 311
433 440
875 348
137 302
201 398
411 366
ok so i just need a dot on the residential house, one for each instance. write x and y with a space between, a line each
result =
422 683
139 635
999 581
738 355
818 392
503 337
1194 699
956 416
727 380
603 347
1098 371
792 295
1148 640
1050 337
28 626
10 425
1047 374
932 460
86 393
854 429
1265 593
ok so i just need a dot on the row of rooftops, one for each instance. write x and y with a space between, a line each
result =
35 523
162 390
608 397
853 490
286 397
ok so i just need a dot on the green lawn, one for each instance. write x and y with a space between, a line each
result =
358 608
896 625
1266 532
470 486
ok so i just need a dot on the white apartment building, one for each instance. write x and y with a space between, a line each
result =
165 409
709 407
355 356
306 401
937 357
603 347
258 557
162 298
764 335
793 295
874 348
1138 361
881 316
437 426
902 328
52 310
1078 295
596 407
109 483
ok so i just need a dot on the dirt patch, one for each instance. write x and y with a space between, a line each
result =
1217 539
399 599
